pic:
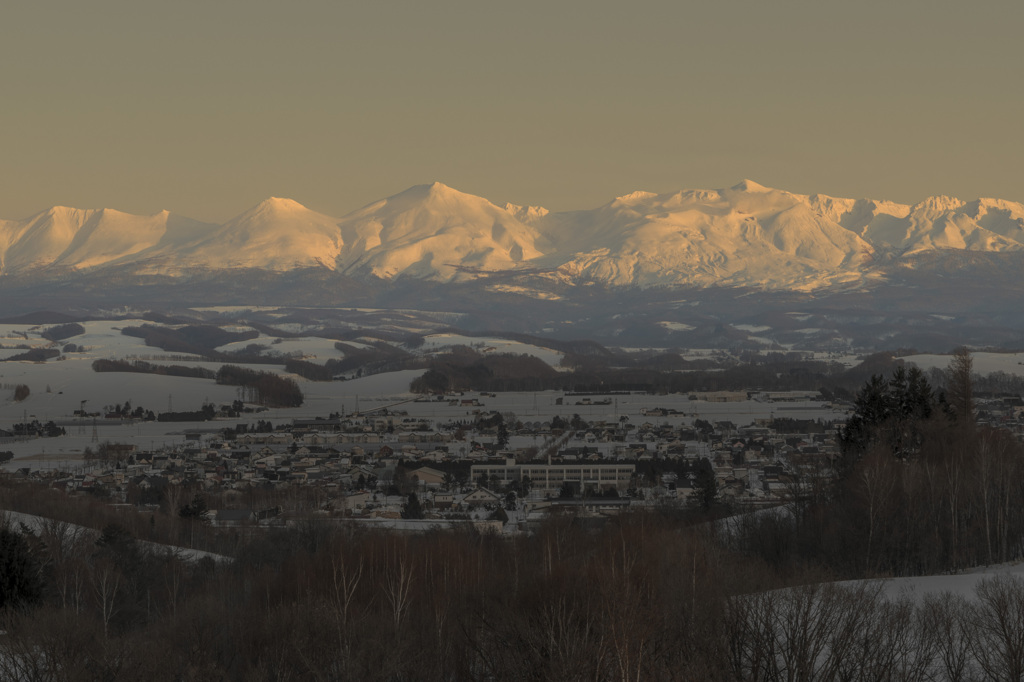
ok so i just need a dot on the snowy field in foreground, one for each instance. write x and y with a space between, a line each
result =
963 584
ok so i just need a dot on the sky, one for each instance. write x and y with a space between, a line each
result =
206 108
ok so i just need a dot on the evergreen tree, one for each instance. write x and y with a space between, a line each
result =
412 508
705 485
891 413
502 437
20 581
195 510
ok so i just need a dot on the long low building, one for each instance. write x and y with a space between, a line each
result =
585 476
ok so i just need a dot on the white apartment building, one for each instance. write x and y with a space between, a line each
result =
549 478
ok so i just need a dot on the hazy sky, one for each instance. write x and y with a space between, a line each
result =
206 108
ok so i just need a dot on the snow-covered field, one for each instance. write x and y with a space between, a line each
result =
59 387
309 348
677 326
18 335
984 363
963 584
441 342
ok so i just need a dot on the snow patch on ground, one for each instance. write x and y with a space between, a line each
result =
677 326
309 348
439 342
963 584
984 363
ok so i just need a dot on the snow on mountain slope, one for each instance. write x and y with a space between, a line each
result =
526 214
73 238
935 223
436 232
880 223
745 235
41 239
276 234
1001 217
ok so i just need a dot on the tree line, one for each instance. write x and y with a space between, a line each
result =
645 596
918 487
142 367
264 388
464 368
62 331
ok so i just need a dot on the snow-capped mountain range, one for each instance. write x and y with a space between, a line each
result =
746 235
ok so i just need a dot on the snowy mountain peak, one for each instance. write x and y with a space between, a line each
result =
64 213
747 235
275 206
439 188
1002 217
435 232
937 204
437 196
432 189
634 197
276 234
281 203
750 186
526 214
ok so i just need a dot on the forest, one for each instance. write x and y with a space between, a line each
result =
651 596
464 368
262 388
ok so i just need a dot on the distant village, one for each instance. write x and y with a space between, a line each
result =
386 468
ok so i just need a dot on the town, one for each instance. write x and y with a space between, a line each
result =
445 460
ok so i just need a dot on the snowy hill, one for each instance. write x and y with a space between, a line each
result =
276 234
64 237
747 235
433 232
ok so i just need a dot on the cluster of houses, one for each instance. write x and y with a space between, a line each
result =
365 466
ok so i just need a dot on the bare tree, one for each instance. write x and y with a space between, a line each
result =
997 623
878 478
948 617
397 587
960 390
106 583
67 546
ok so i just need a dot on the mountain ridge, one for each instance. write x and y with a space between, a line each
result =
747 235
